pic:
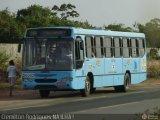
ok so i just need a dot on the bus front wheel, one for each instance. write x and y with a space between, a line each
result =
86 91
44 93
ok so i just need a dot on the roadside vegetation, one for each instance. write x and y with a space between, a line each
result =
153 65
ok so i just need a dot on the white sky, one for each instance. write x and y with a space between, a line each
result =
99 12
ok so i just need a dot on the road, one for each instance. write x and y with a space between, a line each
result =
104 102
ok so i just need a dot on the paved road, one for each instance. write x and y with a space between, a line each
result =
104 101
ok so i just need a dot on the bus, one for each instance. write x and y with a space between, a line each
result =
69 58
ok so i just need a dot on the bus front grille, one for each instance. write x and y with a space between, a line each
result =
45 87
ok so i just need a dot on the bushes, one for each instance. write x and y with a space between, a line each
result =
3 64
3 59
153 68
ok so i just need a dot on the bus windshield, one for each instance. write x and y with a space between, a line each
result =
48 54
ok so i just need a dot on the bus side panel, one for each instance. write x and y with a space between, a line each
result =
108 72
79 80
143 68
96 67
143 76
98 81
78 83
131 65
118 79
117 64
135 78
108 80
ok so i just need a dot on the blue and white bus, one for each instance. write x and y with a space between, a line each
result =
68 58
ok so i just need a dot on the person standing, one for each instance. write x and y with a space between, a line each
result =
12 75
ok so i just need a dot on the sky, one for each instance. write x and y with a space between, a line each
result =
99 12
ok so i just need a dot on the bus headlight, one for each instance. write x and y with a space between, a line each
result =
27 80
27 75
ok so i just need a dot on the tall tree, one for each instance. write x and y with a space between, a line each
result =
118 27
152 32
10 31
36 16
65 11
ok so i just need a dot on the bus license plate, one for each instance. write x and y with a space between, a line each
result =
61 83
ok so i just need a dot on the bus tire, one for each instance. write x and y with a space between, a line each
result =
86 91
125 87
44 93
92 90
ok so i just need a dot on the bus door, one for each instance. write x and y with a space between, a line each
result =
79 63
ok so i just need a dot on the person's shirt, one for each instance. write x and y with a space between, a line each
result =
12 71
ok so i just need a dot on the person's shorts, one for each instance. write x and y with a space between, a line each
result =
12 81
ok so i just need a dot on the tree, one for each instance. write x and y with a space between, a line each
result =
65 11
118 27
10 31
152 32
3 59
13 26
36 16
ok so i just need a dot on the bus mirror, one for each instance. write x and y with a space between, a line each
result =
19 47
81 45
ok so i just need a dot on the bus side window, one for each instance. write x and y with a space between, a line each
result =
79 53
98 47
141 47
125 48
107 46
88 46
134 51
117 47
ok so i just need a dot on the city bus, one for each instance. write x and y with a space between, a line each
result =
69 58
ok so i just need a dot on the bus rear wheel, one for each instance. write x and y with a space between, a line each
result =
86 91
125 87
44 93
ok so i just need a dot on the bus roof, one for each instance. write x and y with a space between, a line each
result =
101 32
107 33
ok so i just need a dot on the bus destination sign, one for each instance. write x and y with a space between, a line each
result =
48 32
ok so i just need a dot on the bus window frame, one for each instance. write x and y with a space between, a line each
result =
80 42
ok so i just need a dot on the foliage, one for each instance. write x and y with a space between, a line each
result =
36 16
3 59
10 30
3 64
13 26
152 54
153 68
151 30
118 27
65 11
